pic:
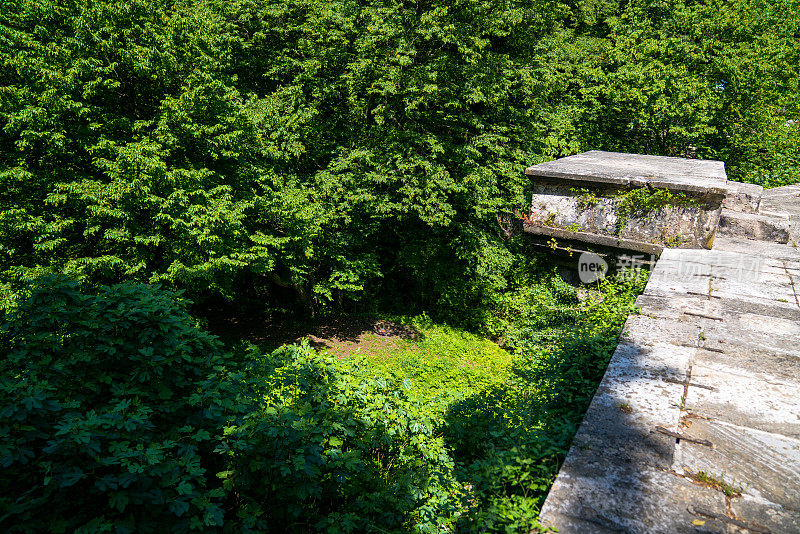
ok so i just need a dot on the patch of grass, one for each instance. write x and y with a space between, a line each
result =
715 482
675 241
441 363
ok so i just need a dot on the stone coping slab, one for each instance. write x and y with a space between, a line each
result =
637 170
695 425
593 239
630 202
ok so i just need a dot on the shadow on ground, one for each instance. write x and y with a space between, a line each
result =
509 442
328 333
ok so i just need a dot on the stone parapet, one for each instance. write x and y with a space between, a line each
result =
619 200
695 426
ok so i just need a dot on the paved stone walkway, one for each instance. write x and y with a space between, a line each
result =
696 424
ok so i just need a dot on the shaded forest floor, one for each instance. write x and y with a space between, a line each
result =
435 358
505 418
340 335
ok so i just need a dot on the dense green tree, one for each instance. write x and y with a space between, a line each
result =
358 150
712 79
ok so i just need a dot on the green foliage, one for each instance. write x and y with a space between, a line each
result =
716 482
119 414
533 309
641 201
104 424
502 424
701 79
784 170
439 363
586 198
573 368
354 154
327 448
509 439
318 154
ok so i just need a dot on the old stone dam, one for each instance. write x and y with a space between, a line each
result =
695 426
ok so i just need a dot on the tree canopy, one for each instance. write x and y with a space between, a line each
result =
352 152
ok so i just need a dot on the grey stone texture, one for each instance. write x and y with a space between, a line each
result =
755 226
742 197
695 426
580 199
784 202
626 170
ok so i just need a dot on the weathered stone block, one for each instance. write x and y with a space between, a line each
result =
760 227
628 201
774 251
759 464
742 197
625 497
769 516
747 398
784 202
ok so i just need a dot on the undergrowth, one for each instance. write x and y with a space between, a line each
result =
442 364
507 417
446 433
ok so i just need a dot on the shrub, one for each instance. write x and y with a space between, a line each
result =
326 449
509 440
103 423
118 413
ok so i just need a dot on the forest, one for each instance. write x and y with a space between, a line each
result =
173 173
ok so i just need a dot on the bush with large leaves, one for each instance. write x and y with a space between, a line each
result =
118 414
103 420
326 448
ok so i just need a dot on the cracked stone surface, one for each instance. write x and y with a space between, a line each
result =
714 360
578 199
695 426
626 169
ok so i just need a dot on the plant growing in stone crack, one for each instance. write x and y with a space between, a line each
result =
586 198
716 482
675 241
640 201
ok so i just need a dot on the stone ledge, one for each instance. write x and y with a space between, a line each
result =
593 239
637 170
756 226
592 198
706 378
736 343
743 197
